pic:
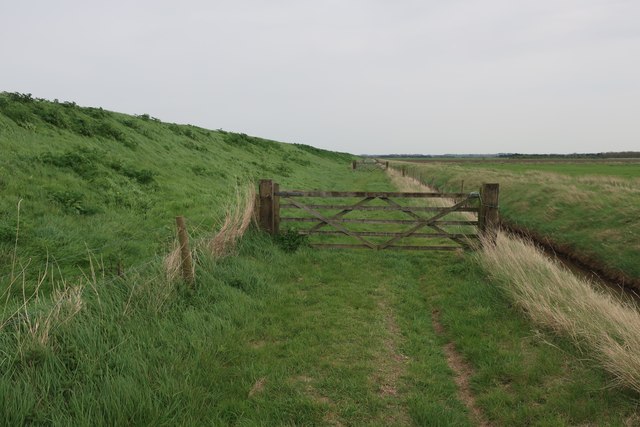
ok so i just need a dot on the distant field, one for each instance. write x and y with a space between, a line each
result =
621 168
588 208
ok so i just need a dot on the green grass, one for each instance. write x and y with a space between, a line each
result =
620 168
308 326
268 336
552 202
611 168
93 181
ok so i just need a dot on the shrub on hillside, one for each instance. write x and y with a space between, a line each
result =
72 202
81 160
291 240
142 176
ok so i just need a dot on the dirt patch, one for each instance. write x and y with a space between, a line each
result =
256 345
258 387
462 373
331 417
391 365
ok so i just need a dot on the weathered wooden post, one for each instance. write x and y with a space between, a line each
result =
488 219
265 215
276 208
186 264
386 165
404 170
462 186
353 165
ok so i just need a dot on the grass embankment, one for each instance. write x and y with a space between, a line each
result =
605 326
552 204
109 184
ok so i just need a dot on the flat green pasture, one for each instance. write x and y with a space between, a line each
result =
591 215
618 169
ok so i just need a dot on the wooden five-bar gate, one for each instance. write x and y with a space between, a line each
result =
477 213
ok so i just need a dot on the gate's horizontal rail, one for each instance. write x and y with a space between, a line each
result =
396 247
377 221
379 208
295 193
390 234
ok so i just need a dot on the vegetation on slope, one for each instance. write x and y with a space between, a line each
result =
107 184
607 327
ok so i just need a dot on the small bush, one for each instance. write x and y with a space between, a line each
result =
291 240
96 113
82 126
53 115
72 202
24 98
143 176
200 171
19 113
82 161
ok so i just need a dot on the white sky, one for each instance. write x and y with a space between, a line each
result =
374 76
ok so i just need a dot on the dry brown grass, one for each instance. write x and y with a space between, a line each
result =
601 324
237 220
37 316
238 217
605 325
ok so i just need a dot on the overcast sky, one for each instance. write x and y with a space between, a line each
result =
374 76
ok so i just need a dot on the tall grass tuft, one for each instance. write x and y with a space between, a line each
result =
238 218
599 323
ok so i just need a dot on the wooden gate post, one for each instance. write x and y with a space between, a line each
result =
488 219
265 217
276 208
186 263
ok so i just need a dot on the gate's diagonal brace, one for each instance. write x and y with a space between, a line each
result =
328 221
405 209
342 213
424 222
455 239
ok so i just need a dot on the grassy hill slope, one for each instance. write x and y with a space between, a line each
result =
110 183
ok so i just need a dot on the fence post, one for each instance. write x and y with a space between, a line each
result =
462 186
386 165
488 215
404 170
265 217
186 263
276 208
353 165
